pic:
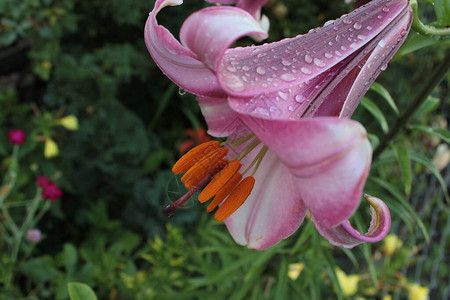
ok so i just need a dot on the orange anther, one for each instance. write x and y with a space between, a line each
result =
224 191
208 166
196 154
235 199
219 180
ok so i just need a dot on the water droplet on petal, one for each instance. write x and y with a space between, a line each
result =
245 68
306 70
347 21
338 53
384 67
285 62
291 108
357 25
403 32
231 69
234 83
343 48
385 9
382 43
308 58
299 98
262 54
260 71
328 55
361 37
380 17
284 95
319 62
288 77
181 92
369 28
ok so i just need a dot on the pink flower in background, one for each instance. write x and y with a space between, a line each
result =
16 136
42 181
34 235
284 108
51 192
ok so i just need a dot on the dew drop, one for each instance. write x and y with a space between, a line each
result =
283 95
262 54
330 43
403 32
273 109
305 70
369 28
285 62
380 17
245 68
385 9
181 92
291 108
308 58
361 37
319 62
384 67
288 77
338 53
357 25
328 55
343 48
260 71
335 28
329 22
232 69
299 98
382 43
347 21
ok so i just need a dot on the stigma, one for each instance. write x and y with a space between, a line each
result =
206 167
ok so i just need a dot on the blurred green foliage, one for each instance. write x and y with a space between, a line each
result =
88 59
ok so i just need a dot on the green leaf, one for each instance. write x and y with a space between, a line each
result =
40 269
376 112
427 163
281 286
417 42
70 257
380 90
443 134
442 9
404 162
80 291
428 106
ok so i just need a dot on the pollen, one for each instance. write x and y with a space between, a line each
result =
188 160
206 166
219 180
235 199
224 191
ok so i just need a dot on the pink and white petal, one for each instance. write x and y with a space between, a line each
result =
329 158
344 235
253 7
211 31
222 121
274 209
250 71
178 63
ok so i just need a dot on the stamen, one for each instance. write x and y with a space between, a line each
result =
258 158
224 191
238 142
235 199
248 149
219 180
188 160
206 166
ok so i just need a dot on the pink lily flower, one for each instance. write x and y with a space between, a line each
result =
284 107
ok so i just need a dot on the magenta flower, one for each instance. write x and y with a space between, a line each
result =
51 192
284 108
42 181
34 235
16 136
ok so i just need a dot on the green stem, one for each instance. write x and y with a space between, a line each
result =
440 69
421 28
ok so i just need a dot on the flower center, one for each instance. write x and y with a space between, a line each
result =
207 166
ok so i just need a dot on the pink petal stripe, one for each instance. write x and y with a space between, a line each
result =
211 31
344 235
178 63
221 119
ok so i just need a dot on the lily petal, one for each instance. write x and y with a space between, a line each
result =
274 209
329 158
221 119
285 64
344 235
211 31
178 63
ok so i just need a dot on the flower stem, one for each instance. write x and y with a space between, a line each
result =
441 69
421 28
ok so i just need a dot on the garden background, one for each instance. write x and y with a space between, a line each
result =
104 124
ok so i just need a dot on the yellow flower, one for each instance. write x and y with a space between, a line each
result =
70 122
390 244
50 148
387 297
417 292
348 283
295 270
